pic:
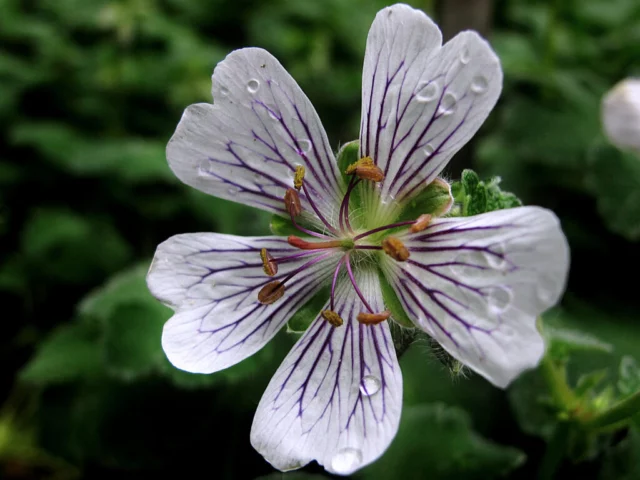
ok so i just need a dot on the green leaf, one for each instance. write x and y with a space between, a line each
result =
563 341
629 376
308 312
69 353
614 178
532 405
438 442
62 245
284 227
620 462
477 196
132 338
349 153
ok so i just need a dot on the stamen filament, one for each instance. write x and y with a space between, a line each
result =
367 247
380 229
317 259
335 279
355 285
304 245
315 209
307 231
344 206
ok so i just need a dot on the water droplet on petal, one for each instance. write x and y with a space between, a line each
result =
479 84
204 167
448 104
273 115
467 266
346 461
369 385
428 150
427 92
304 145
548 290
465 55
497 258
224 90
233 190
253 85
498 299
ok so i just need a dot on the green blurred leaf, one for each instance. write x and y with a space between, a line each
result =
306 314
564 341
620 462
435 199
438 442
63 245
532 406
629 376
70 353
614 177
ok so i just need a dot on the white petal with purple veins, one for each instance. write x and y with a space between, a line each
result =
337 396
477 285
212 282
421 101
246 146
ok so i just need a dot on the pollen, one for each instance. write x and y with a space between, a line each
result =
366 169
269 264
271 292
292 202
298 178
393 247
332 317
421 223
373 318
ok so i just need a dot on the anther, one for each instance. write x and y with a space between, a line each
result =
271 292
366 170
298 178
304 245
332 317
373 318
395 249
269 264
292 202
421 223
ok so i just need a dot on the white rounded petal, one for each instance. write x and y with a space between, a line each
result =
621 114
477 285
246 146
337 396
212 282
421 101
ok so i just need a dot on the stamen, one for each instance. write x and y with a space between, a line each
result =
298 178
269 264
395 249
271 292
315 209
421 223
343 214
332 317
373 318
292 202
335 280
366 169
304 245
355 285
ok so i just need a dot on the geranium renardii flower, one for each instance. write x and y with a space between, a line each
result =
474 284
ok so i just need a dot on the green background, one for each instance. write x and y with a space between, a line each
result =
90 92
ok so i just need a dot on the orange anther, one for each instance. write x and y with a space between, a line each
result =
373 318
271 292
395 249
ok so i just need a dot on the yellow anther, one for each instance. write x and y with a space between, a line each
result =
298 178
292 202
332 317
395 249
373 318
421 223
271 292
269 264
366 169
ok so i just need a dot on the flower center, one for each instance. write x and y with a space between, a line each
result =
339 238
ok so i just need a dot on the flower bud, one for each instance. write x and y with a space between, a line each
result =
621 114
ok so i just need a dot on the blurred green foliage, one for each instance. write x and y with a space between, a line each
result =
91 92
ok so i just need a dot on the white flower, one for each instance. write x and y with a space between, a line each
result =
621 114
475 284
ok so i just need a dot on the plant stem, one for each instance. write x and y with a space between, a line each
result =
555 452
556 378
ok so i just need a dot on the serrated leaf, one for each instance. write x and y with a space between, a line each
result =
438 442
69 353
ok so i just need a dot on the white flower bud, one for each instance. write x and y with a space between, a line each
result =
621 114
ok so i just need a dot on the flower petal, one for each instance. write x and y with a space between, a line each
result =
247 145
477 284
212 282
421 101
337 396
